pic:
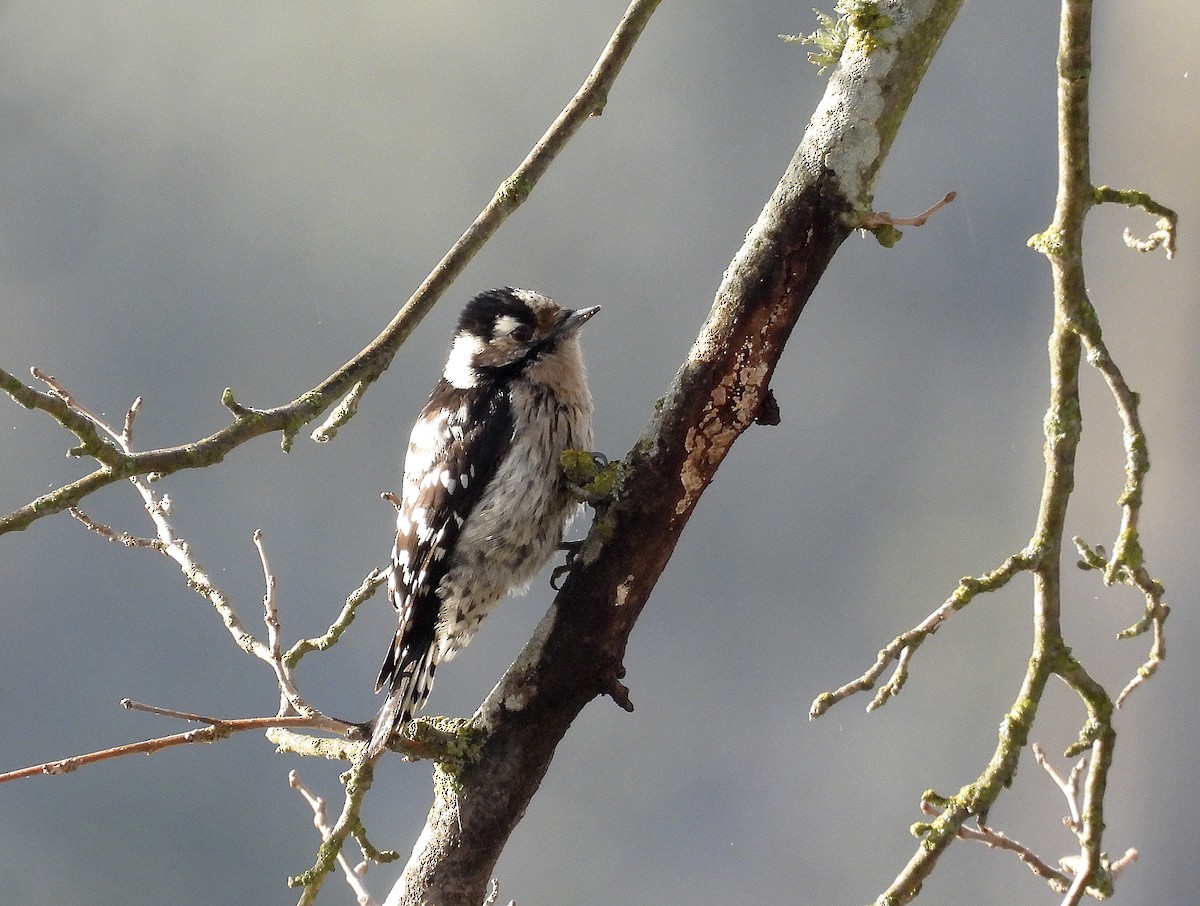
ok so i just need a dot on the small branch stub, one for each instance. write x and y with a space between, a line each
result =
883 225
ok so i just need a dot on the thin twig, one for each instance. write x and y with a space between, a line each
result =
353 873
216 730
270 614
901 648
111 534
358 781
172 546
322 642
883 218
1153 618
127 429
289 696
1166 228
1075 326
1063 879
1068 786
130 705
998 840
91 444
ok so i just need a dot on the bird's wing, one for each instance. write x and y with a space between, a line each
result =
453 453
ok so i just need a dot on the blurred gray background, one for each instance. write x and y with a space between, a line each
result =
201 195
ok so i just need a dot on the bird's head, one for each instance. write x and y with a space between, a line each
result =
503 332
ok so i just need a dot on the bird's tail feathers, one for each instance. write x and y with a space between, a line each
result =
411 682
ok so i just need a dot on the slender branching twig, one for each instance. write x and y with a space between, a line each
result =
1064 878
325 641
294 711
1076 333
168 543
353 873
901 649
358 781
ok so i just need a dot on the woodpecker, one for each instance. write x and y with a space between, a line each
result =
484 502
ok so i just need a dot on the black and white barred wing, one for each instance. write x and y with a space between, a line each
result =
453 452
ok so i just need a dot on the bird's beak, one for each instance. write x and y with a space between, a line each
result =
573 320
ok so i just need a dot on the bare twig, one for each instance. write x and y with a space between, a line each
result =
127 428
289 695
1127 564
1153 618
1069 785
996 839
322 642
111 534
883 218
1163 235
1166 228
901 648
1076 329
130 705
358 781
353 873
217 729
359 776
1115 868
1066 878
172 546
1156 613
432 738
91 444
270 614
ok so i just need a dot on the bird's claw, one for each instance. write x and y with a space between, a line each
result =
560 572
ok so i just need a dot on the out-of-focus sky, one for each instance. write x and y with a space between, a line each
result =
202 195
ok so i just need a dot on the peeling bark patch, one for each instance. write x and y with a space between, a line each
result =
623 590
731 408
519 699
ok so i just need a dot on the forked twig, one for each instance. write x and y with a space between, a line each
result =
1066 879
901 649
353 873
177 549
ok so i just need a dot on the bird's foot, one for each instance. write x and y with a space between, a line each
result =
591 477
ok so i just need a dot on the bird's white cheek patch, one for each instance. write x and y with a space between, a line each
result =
462 353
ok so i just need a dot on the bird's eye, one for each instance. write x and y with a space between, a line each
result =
522 333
